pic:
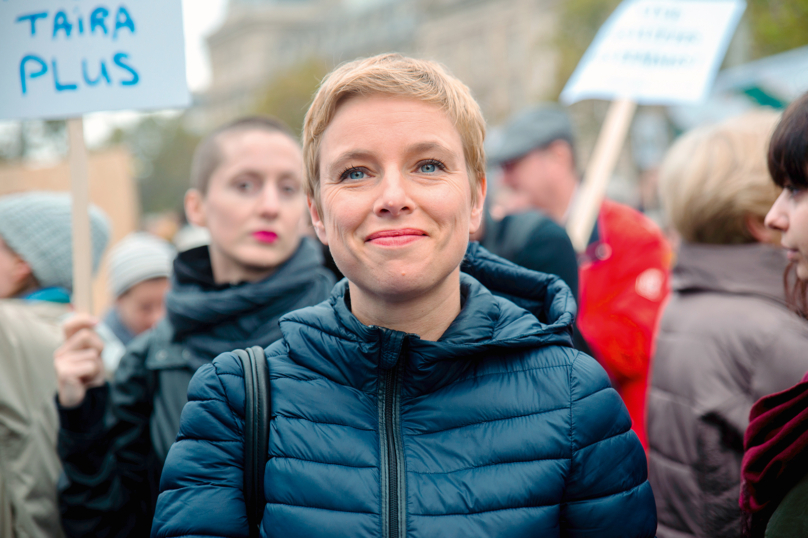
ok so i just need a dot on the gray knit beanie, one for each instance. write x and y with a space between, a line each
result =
139 256
38 227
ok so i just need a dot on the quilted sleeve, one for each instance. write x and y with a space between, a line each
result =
201 486
607 491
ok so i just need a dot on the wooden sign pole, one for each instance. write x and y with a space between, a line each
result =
80 190
599 171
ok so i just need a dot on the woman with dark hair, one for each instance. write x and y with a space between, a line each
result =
788 165
774 488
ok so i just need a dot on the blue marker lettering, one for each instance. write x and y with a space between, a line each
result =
32 17
123 20
103 74
43 68
97 19
118 59
61 87
60 22
80 20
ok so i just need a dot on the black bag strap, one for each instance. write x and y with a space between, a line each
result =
256 432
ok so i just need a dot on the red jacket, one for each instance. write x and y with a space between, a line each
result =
623 285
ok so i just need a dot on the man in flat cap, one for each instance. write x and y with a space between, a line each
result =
623 274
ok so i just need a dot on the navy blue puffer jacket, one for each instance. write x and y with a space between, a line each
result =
500 428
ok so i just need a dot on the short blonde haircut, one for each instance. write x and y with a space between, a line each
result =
393 74
714 177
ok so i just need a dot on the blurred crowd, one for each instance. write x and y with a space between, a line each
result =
701 327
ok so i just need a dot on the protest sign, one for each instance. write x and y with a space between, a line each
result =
65 58
655 52
658 52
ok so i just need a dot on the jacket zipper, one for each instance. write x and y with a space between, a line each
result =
392 458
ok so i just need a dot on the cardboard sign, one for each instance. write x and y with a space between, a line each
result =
656 52
64 58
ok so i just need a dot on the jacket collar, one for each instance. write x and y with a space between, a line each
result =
750 269
521 308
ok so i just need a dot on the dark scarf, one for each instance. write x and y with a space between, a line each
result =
209 318
775 455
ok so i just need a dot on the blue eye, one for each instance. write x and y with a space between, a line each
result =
431 166
354 174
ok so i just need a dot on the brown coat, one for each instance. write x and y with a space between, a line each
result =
725 340
29 465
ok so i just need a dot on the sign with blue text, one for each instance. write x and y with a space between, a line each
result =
65 58
656 52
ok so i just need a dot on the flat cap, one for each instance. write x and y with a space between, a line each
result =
530 129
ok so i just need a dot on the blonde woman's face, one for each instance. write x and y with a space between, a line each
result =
789 215
395 195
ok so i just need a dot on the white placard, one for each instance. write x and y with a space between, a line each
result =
656 52
65 58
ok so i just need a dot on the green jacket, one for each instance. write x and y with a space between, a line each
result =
790 519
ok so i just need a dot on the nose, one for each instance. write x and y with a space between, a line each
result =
156 315
394 198
777 217
269 200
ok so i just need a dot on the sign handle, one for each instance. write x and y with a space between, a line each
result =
585 211
80 190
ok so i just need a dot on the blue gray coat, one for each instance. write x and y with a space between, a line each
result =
500 428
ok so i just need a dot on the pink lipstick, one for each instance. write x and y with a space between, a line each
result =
265 236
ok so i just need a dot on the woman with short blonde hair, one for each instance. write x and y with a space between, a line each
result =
419 400
726 337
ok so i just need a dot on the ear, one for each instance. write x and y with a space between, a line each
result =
477 210
195 208
316 221
758 229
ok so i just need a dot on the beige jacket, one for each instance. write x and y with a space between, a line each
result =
29 464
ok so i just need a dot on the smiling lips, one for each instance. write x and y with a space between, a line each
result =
395 238
265 236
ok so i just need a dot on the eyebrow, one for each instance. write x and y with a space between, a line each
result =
422 147
346 157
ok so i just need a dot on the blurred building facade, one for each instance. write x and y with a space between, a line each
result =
502 49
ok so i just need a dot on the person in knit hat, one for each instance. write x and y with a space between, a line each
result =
139 268
36 227
36 277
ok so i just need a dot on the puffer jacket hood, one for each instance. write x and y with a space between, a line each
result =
499 428
483 325
546 297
